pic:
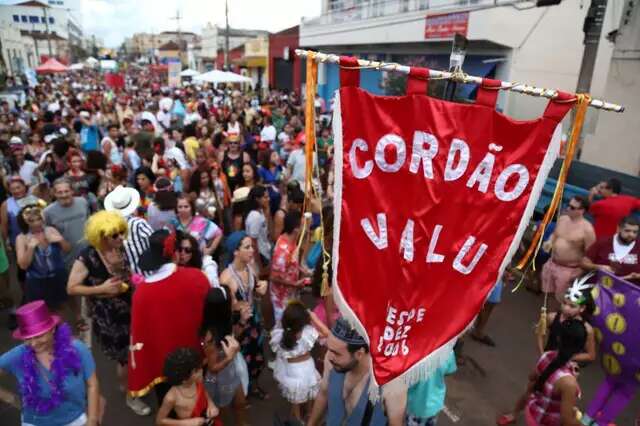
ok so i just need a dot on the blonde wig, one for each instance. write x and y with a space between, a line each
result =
104 224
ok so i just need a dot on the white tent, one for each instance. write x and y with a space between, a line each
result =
109 65
91 62
217 76
76 67
189 73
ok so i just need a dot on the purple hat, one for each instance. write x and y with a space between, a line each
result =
34 319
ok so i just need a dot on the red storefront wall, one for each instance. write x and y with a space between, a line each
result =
234 55
277 43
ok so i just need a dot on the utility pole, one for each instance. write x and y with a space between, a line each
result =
179 36
226 36
456 59
592 29
46 23
35 43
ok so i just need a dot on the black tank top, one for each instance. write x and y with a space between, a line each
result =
233 170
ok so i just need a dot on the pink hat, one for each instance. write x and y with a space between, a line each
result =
34 319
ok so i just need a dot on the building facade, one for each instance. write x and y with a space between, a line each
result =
611 140
48 28
284 65
539 46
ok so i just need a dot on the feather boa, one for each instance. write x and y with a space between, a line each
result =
66 360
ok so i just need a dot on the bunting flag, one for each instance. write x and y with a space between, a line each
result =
431 201
615 326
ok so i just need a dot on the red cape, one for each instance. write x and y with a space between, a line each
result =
165 315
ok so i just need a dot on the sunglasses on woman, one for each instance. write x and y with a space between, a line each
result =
187 250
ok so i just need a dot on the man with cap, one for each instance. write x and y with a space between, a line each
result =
125 201
344 389
167 311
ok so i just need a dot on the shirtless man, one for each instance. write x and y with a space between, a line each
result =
344 388
570 240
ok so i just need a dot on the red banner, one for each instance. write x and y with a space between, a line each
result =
431 200
115 81
445 26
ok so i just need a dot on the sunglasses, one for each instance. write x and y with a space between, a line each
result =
187 250
116 235
570 207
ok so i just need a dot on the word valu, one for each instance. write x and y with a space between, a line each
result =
396 331
381 242
453 171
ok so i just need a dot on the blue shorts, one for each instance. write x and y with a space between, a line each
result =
495 296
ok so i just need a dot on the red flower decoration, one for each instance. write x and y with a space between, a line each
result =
169 245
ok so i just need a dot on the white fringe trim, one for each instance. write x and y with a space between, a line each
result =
429 364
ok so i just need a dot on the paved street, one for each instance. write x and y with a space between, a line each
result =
473 399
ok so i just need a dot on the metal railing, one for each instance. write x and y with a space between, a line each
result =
341 11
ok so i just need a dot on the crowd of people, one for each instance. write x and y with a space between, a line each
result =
176 229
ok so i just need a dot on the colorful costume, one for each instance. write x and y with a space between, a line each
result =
166 315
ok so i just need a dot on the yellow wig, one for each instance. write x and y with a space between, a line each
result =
104 224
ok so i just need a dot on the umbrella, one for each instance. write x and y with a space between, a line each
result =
189 73
217 76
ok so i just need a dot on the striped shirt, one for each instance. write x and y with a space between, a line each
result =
137 241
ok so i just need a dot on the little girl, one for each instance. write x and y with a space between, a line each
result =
295 369
577 304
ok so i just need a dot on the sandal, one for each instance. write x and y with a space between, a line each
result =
506 419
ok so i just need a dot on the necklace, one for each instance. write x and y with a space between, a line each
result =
245 291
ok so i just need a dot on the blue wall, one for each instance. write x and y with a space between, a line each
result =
371 80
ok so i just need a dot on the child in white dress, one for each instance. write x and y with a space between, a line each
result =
295 370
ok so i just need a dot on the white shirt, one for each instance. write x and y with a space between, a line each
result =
115 156
28 172
164 118
283 138
268 133
298 164
193 117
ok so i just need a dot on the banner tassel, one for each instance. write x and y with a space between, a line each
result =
582 103
309 146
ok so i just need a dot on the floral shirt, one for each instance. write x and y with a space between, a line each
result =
284 262
201 228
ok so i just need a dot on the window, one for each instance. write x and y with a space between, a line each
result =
43 20
24 18
51 21
34 19
16 18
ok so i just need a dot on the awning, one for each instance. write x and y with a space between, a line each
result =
478 67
